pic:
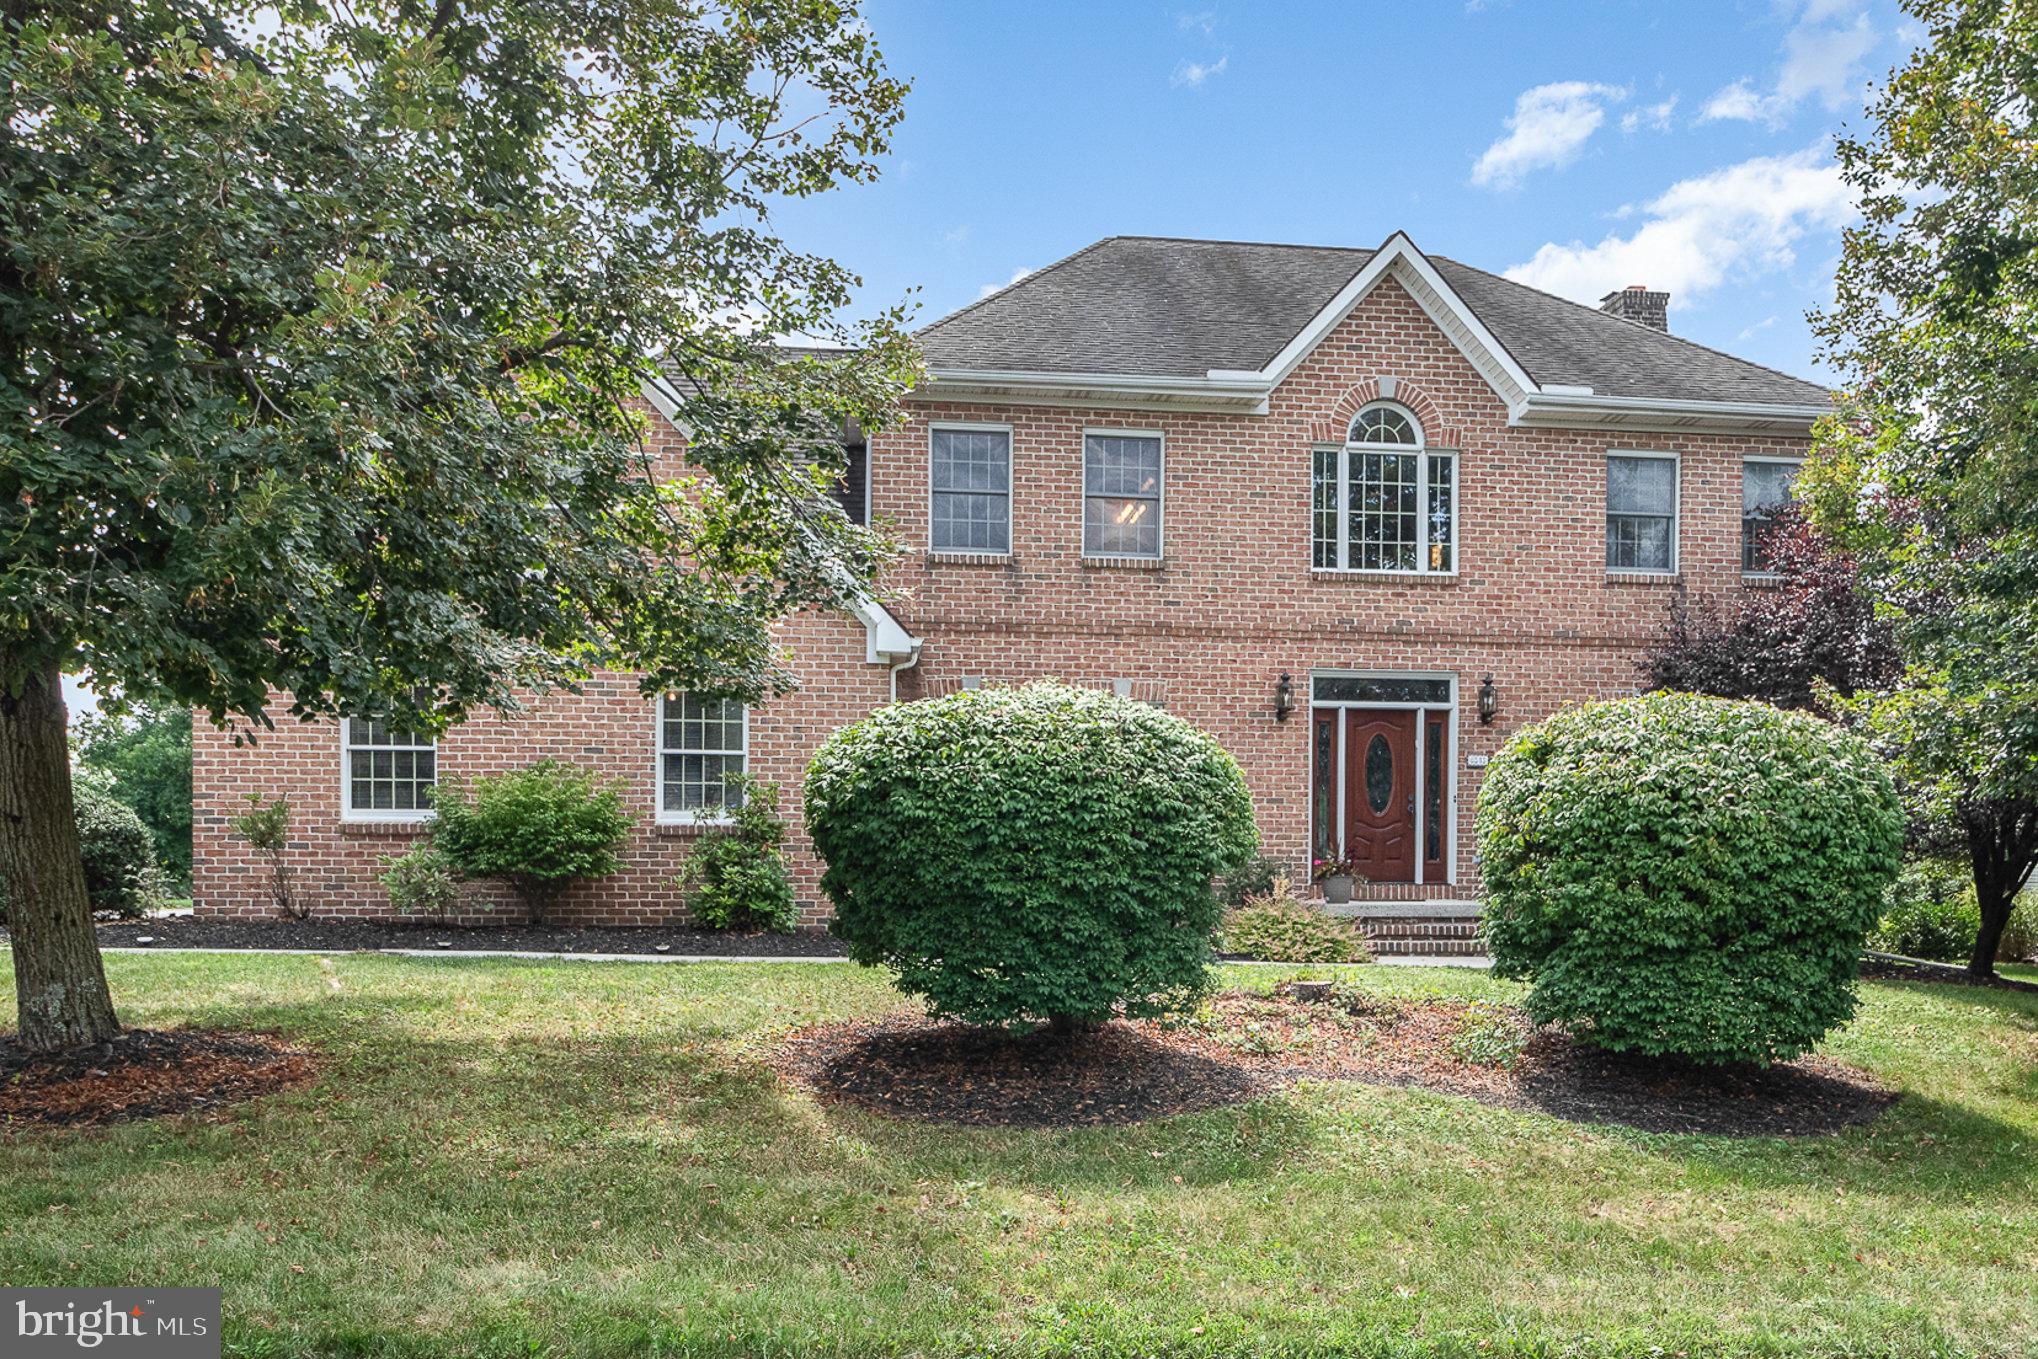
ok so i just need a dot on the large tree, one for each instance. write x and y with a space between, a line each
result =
1930 475
321 330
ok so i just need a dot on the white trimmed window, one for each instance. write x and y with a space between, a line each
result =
1121 494
389 774
1641 512
970 479
701 743
1765 488
1385 502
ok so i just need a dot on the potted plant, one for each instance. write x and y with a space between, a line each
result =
1337 877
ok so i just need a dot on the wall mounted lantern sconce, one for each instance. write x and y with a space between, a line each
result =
1489 702
1284 698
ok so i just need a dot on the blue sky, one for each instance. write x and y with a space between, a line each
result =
1580 146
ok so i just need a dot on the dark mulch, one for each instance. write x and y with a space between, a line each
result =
347 935
142 1074
1890 967
1240 1045
954 1073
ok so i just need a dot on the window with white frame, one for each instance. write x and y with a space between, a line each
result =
1385 502
701 743
389 773
1765 488
1641 512
1121 494
970 473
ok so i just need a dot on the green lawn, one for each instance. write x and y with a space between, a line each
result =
554 1159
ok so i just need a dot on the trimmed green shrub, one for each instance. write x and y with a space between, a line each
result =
735 879
1040 852
422 882
121 875
540 829
1277 927
1686 875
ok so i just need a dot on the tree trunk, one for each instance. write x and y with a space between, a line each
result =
2002 843
59 982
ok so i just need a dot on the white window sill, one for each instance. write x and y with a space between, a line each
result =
1108 563
952 557
1402 577
682 824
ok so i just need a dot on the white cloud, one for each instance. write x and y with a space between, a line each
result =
1700 233
1548 125
990 288
1203 21
1194 73
1656 117
1822 59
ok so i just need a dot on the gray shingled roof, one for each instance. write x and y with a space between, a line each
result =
1179 308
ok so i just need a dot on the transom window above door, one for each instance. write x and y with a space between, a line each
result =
1385 502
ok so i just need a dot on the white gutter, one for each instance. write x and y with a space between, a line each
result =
1238 390
1561 407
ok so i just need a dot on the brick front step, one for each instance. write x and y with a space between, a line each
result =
1427 948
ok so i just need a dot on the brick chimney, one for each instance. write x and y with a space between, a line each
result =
1636 303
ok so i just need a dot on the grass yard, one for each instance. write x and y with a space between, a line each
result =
536 1158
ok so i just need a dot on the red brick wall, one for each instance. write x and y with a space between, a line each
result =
1208 631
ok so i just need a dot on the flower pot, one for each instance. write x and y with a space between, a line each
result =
1337 889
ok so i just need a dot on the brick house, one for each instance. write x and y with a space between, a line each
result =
1357 513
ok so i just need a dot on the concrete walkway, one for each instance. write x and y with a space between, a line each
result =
1391 961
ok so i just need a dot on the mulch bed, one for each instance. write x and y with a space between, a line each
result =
142 1074
349 935
1241 1045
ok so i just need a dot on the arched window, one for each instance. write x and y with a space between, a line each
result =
1385 501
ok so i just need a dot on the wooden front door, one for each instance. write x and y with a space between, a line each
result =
1380 793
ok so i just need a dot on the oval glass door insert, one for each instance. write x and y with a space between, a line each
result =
1379 773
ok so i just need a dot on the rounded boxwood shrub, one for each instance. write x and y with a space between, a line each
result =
540 828
1686 875
1043 852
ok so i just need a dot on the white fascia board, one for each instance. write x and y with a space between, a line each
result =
1397 251
1240 392
1549 409
665 401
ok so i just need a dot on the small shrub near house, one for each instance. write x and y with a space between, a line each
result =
539 829
1255 877
266 827
1685 875
422 883
1043 852
735 879
1278 927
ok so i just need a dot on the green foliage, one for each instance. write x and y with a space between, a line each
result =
143 757
539 829
735 879
1255 877
1929 472
1275 926
118 852
1490 1035
266 827
1687 875
422 882
121 873
1931 912
1036 852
